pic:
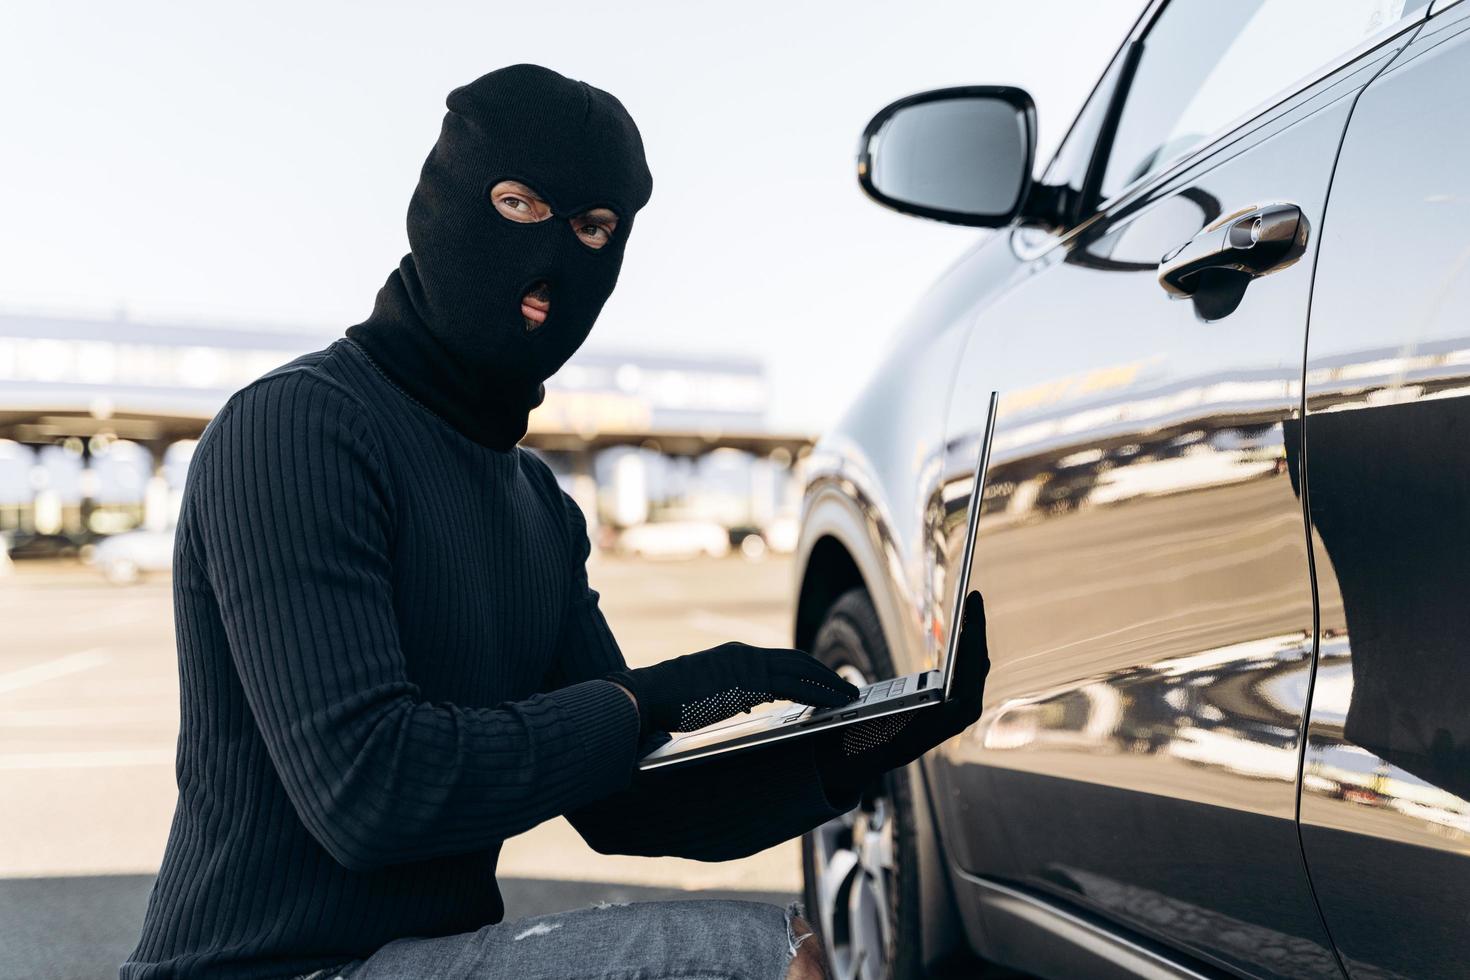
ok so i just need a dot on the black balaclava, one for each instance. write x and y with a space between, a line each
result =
447 325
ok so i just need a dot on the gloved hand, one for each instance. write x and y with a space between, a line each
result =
702 688
850 758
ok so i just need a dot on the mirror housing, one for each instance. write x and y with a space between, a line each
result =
961 155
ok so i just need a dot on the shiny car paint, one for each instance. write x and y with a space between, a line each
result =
1173 650
1385 806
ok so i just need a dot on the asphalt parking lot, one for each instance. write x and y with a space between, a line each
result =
88 716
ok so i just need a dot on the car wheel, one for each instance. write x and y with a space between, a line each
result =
860 869
753 546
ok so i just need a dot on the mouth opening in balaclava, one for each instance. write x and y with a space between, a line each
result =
536 304
455 324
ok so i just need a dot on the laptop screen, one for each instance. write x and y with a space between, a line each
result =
962 585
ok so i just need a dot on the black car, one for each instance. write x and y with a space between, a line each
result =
1224 541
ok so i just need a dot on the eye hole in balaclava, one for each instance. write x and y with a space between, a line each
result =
519 202
523 204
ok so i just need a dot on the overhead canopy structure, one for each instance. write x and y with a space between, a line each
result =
158 383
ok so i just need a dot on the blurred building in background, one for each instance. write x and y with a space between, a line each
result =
667 454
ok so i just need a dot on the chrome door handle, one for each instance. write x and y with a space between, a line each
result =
1251 244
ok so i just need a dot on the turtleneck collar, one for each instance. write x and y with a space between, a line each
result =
398 343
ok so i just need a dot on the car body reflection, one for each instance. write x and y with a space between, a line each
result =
1413 809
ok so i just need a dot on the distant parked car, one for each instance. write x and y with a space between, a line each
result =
125 558
25 546
675 539
748 540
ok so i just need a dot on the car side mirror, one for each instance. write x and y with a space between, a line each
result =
961 155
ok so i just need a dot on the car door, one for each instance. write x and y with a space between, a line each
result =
1142 545
1385 808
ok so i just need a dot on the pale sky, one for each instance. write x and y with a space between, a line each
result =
252 163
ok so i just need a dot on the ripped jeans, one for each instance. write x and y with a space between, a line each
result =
693 940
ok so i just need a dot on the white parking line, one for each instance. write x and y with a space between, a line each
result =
47 670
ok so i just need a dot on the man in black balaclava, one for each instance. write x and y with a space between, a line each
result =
531 191
390 659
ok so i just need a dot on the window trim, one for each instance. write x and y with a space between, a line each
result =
1076 176
1211 142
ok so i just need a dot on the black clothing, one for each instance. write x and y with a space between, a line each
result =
851 758
447 325
387 653
699 689
390 660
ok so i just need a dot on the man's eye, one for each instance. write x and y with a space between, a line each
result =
516 202
596 233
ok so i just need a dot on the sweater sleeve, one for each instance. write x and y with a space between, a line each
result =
716 810
289 517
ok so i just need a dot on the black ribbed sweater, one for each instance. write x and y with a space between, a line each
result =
388 655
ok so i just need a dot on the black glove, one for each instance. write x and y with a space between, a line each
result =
702 688
852 757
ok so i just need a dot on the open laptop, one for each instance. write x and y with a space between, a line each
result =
884 697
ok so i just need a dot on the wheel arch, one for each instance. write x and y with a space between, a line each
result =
841 549
830 571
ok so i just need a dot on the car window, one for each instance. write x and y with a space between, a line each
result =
1068 167
1207 62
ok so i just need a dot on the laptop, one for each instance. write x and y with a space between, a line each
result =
884 697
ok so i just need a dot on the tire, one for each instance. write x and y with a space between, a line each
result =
860 871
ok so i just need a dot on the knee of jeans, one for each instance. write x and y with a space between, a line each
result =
808 959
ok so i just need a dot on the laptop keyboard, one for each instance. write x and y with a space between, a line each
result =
882 689
873 692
